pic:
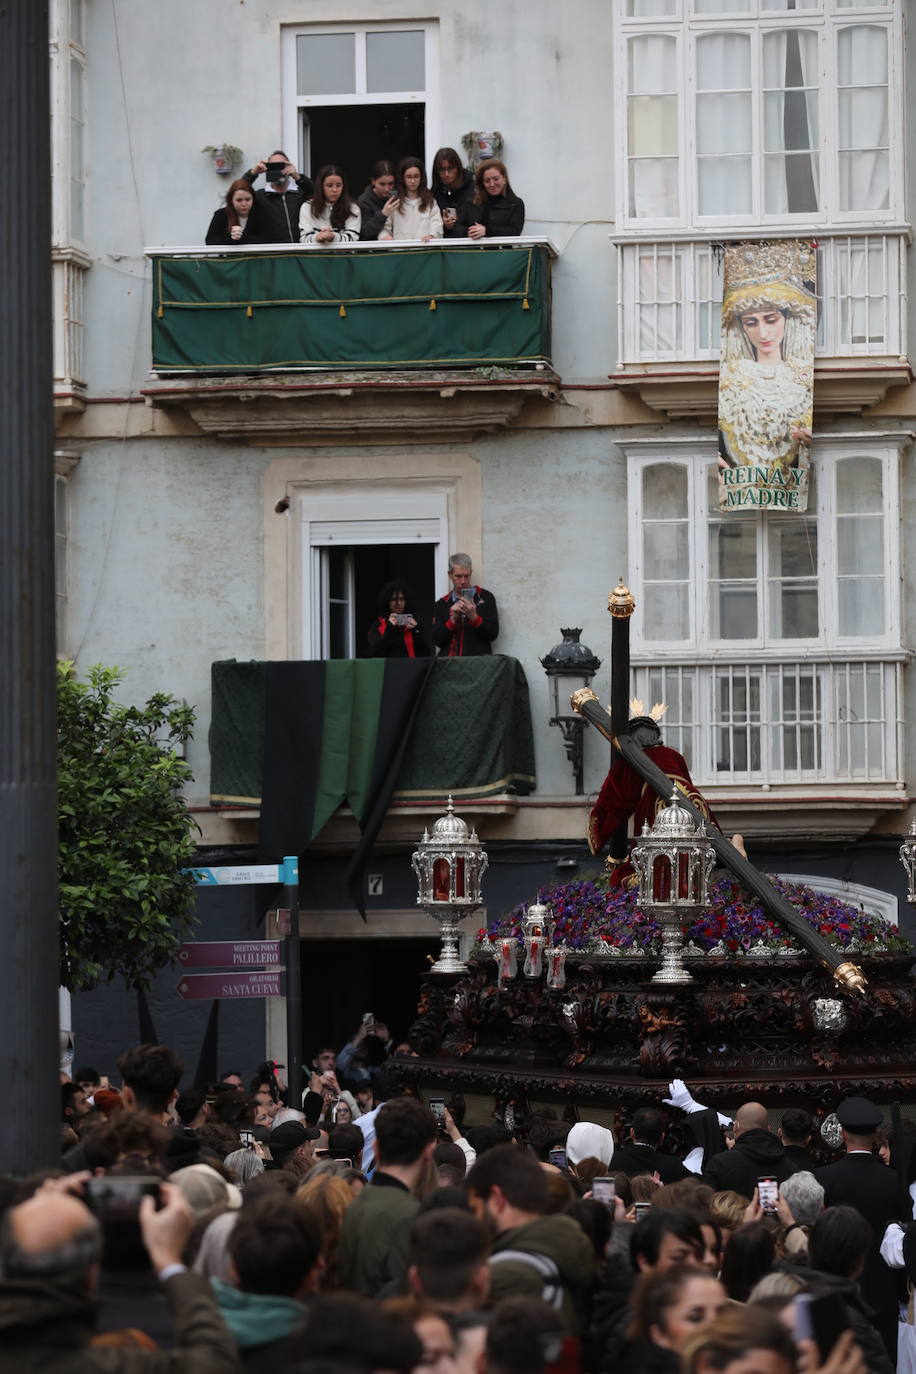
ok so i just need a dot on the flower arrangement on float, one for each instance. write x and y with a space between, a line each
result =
594 920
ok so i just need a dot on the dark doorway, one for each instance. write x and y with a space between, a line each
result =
356 575
376 564
343 979
356 136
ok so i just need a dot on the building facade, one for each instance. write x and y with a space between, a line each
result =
202 519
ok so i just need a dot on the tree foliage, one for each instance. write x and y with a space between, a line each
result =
125 831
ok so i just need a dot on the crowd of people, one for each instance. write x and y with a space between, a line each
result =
363 1231
398 203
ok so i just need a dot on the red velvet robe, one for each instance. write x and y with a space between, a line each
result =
625 794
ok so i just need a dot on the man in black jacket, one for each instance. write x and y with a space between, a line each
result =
757 1154
860 1180
465 620
279 202
640 1154
795 1132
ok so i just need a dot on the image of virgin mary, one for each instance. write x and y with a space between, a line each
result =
766 378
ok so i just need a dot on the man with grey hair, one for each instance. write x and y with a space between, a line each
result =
804 1197
465 620
50 1251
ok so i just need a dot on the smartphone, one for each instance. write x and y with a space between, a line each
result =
117 1198
822 1318
437 1107
604 1189
640 1209
768 1192
369 1019
246 1139
557 1156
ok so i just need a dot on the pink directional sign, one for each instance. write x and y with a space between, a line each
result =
194 986
229 953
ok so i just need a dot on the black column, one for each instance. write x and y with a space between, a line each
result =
28 825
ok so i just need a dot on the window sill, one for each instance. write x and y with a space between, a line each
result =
842 386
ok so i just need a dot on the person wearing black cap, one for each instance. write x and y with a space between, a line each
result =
860 1180
292 1146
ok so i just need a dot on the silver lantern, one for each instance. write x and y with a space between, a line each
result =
908 859
673 862
449 864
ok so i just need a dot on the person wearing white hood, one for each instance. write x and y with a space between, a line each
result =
587 1140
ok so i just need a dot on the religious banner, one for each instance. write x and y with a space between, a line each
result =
766 374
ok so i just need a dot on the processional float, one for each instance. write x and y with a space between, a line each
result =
528 1019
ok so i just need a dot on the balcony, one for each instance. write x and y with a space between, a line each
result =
310 747
775 736
669 314
367 338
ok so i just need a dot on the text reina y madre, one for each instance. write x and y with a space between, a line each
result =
786 488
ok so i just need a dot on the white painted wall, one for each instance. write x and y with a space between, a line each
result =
165 81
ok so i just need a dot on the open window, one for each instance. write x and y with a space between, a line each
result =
354 93
355 540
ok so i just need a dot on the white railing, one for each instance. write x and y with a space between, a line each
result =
782 721
69 271
669 298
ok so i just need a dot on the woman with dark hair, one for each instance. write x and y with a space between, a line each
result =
237 221
749 1255
452 185
372 200
495 210
412 212
330 216
395 633
668 1308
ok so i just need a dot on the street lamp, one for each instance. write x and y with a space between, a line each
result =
449 865
908 859
569 666
673 862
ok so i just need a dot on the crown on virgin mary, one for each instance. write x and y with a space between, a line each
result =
776 274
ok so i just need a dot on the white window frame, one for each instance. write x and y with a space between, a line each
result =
351 513
294 104
64 50
697 457
686 26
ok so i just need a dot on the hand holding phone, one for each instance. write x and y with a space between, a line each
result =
768 1193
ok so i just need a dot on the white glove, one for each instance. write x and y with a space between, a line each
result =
892 1246
680 1097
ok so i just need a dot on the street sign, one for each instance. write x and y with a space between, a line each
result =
229 953
205 986
237 877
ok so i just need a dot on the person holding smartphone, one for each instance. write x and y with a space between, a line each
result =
465 620
395 633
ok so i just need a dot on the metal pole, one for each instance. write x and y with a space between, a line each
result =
29 1048
293 984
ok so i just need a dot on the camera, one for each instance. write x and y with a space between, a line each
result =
117 1198
275 171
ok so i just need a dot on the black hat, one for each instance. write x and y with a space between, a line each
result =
288 1137
858 1115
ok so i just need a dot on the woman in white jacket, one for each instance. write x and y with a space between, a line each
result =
412 212
330 216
